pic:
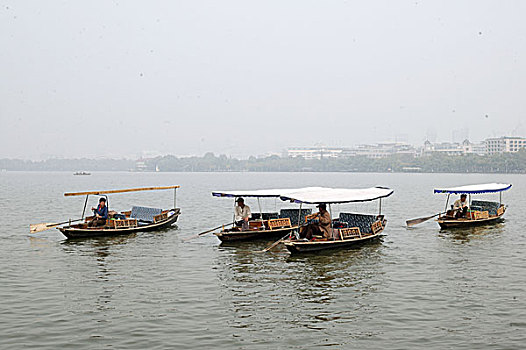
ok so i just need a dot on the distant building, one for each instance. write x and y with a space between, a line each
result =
140 165
373 151
314 152
453 148
504 144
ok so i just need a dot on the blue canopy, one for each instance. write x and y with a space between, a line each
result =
475 189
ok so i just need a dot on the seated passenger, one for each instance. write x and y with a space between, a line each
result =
101 214
461 206
242 214
320 228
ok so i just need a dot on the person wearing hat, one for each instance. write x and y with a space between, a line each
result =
461 206
242 214
101 214
322 227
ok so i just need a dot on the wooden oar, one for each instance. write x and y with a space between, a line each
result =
205 232
414 222
274 244
34 228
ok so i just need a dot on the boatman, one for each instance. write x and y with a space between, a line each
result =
461 206
322 227
242 214
101 214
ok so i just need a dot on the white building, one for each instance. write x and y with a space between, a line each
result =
314 152
453 148
504 144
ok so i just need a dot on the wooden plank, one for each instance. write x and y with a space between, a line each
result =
350 232
119 191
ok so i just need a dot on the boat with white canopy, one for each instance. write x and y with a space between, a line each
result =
479 212
349 229
263 225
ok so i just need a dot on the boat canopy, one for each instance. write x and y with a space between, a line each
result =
260 193
120 191
336 195
474 189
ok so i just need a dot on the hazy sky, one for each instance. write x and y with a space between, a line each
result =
117 78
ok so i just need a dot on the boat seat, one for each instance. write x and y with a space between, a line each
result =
292 214
489 206
145 214
362 221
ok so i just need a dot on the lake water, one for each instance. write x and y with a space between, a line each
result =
416 288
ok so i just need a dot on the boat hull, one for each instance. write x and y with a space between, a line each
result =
461 223
298 247
73 232
252 235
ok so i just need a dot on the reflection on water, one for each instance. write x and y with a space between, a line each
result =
467 234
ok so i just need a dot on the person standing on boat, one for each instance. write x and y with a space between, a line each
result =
461 206
101 214
322 227
242 214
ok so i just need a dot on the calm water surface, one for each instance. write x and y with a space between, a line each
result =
417 288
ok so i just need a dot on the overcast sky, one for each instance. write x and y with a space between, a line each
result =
119 78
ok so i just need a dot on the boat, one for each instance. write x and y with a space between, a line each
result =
81 173
138 219
349 229
479 212
262 225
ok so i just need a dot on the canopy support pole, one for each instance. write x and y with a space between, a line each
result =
260 212
234 215
175 196
447 201
299 218
85 203
330 214
500 199
380 207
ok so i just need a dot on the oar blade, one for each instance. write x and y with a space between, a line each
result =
35 228
414 222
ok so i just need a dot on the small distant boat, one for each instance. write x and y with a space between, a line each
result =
135 220
82 173
479 212
349 229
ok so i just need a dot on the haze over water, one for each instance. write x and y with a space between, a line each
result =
417 288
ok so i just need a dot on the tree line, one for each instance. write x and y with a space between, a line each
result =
435 163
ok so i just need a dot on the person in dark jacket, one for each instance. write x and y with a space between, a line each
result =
101 214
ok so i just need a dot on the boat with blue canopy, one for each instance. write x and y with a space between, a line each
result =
478 212
348 229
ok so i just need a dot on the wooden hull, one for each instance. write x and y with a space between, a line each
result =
297 247
74 232
252 235
464 222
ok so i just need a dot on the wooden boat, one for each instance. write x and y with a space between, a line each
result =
479 212
262 226
350 229
81 173
137 219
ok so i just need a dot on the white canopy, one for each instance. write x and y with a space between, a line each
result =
336 195
259 193
473 189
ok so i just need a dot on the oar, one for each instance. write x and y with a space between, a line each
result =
274 244
34 228
205 232
414 222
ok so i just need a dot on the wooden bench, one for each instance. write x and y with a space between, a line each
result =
128 223
279 223
351 232
376 226
477 214
255 225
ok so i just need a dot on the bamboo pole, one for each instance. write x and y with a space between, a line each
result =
119 191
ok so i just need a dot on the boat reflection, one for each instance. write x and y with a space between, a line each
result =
302 289
467 234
